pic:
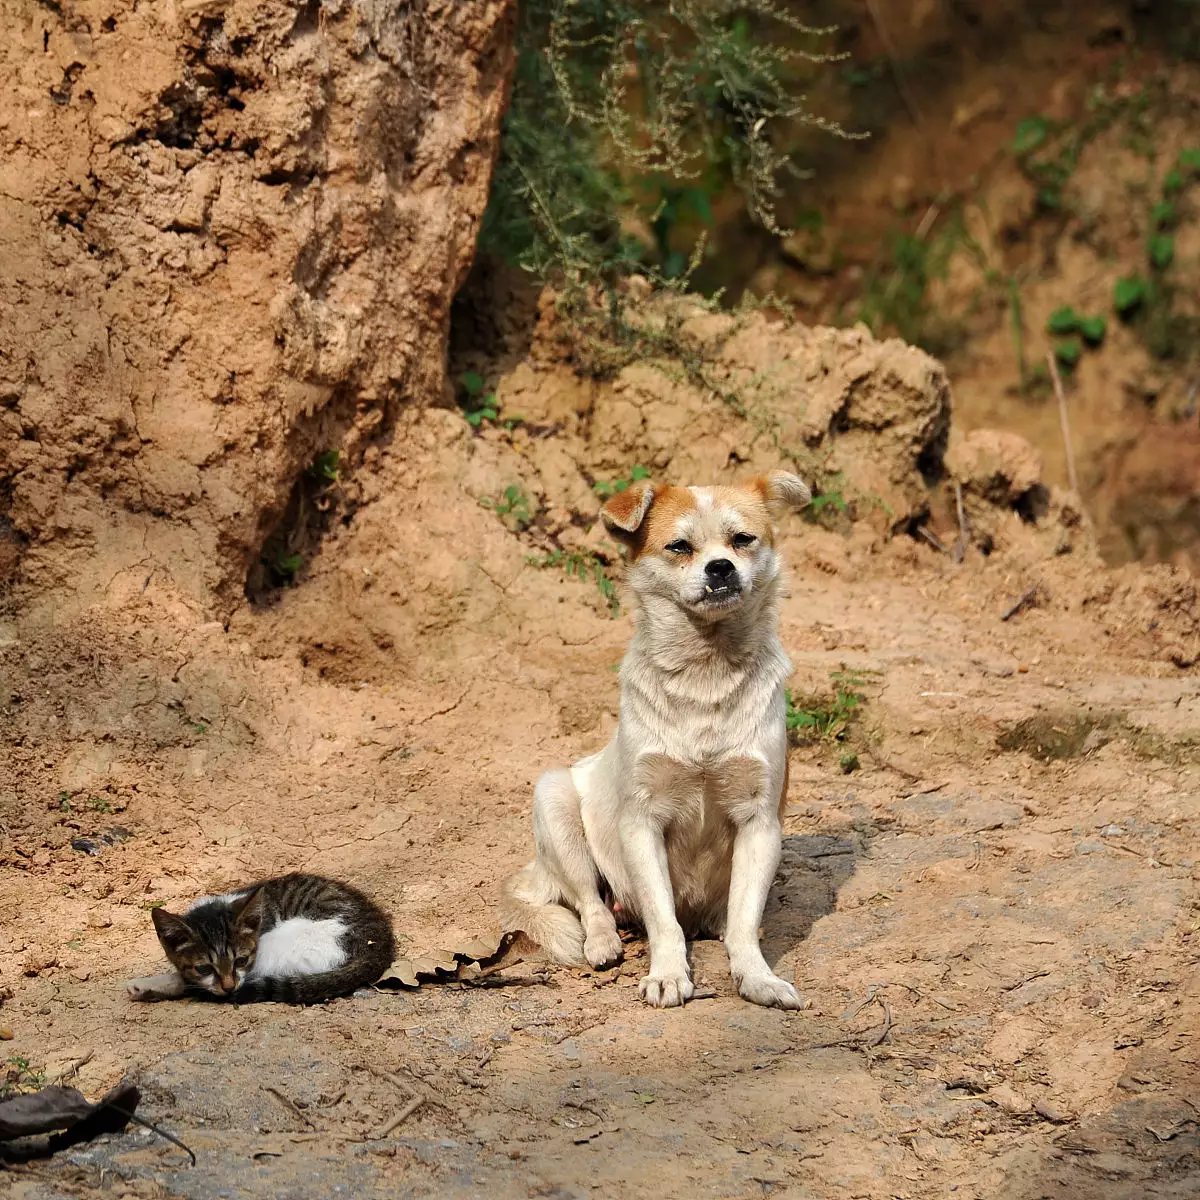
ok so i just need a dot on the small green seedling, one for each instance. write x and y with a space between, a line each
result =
580 564
325 466
1093 329
512 503
1065 321
1164 215
1161 249
1068 353
606 489
1129 294
829 719
1031 134
480 406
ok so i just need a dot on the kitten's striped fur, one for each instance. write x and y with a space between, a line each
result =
297 938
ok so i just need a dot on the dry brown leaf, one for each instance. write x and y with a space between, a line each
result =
408 972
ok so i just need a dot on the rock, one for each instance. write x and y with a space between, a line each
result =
98 920
994 465
1009 1100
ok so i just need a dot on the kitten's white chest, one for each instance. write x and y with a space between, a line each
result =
300 946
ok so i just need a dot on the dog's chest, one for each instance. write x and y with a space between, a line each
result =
700 794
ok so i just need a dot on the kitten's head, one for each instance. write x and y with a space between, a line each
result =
213 946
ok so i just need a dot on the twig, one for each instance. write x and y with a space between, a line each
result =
932 538
1072 478
73 1068
964 526
296 1112
881 1036
162 1133
1027 600
402 1116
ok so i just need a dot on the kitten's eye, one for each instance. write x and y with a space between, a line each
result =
240 961
683 546
742 541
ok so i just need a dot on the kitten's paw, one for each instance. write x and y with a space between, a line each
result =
154 987
603 948
666 991
768 990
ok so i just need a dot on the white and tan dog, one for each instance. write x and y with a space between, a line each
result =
677 820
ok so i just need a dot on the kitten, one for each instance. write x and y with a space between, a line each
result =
299 938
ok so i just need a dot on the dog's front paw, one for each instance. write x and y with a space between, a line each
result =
666 991
769 990
603 948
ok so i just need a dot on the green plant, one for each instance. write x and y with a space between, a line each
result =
513 504
1068 353
849 763
580 564
606 489
609 91
1161 249
480 407
828 504
1093 329
19 1077
286 565
99 804
1129 294
324 467
1063 321
827 718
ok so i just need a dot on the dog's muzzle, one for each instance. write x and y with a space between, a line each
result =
721 582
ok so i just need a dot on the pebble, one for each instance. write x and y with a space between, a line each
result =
6 1034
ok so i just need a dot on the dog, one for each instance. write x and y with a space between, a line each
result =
676 823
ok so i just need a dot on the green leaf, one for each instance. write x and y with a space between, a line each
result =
1129 294
1173 183
490 413
1093 329
1189 160
1031 133
1162 250
1068 353
1162 214
472 383
473 418
1063 321
639 472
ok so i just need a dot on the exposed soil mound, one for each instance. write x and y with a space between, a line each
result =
231 234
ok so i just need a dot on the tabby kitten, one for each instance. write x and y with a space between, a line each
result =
299 938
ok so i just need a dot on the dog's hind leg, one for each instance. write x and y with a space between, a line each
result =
563 874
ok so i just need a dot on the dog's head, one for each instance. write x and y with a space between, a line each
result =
706 548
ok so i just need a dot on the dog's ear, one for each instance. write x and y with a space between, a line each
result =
782 490
624 513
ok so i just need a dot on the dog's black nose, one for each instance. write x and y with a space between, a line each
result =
719 569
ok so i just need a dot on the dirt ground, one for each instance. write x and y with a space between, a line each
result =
993 918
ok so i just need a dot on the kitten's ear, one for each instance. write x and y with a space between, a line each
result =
174 933
247 916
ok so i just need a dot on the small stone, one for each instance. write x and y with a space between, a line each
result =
1049 1112
6 1034
98 920
1009 1100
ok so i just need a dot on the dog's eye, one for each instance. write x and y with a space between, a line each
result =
742 541
680 547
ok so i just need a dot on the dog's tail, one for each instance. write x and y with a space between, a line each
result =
531 904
